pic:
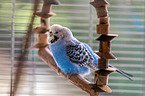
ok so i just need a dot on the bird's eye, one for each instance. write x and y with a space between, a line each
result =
56 32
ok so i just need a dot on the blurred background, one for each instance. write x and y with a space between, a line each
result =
127 20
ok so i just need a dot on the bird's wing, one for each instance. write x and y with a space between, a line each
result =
79 54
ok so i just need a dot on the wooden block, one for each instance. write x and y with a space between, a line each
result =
105 72
107 37
103 29
39 45
101 76
101 80
105 88
103 63
102 11
106 55
46 8
43 38
46 11
99 3
45 15
56 2
50 14
104 46
45 22
104 20
40 30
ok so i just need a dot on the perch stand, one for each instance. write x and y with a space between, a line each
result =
102 75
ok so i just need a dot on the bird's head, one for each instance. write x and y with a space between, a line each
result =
58 32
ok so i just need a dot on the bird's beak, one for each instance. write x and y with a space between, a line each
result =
50 34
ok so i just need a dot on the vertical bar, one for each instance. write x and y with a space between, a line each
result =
90 25
32 70
143 82
12 45
90 30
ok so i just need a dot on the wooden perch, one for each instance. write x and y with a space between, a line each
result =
90 88
46 55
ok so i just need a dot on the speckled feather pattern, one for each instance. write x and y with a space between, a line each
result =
79 54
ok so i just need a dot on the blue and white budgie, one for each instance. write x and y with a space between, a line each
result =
71 55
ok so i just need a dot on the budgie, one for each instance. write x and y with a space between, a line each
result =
71 55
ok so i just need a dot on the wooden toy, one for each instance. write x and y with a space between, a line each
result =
101 76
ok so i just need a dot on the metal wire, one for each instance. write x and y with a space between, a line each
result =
90 25
12 44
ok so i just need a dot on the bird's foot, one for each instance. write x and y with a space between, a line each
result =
58 71
69 75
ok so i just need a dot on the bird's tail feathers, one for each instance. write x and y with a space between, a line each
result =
127 75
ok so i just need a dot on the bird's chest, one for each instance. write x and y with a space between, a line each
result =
59 52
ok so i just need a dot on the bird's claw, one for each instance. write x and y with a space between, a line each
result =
69 75
58 71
